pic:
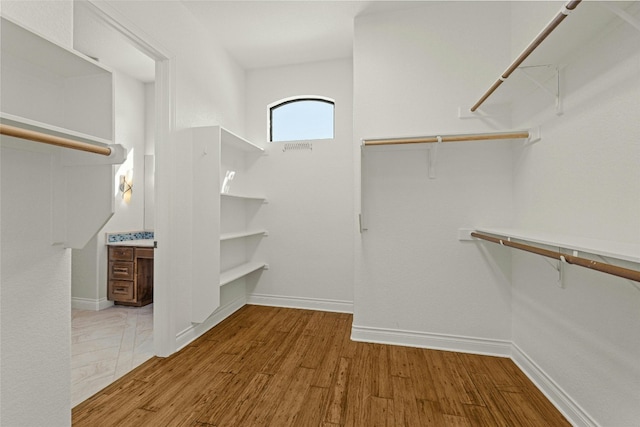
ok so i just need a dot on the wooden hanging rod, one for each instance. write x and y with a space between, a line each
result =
583 262
448 138
53 140
571 5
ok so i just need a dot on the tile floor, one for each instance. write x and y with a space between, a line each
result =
107 344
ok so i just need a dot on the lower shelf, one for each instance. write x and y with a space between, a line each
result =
240 271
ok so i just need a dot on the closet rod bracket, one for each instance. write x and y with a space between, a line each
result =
433 158
535 135
555 93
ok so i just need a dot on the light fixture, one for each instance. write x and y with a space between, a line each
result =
126 186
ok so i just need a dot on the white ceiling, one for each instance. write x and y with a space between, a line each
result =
270 33
257 34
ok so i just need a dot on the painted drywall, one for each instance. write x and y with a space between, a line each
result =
89 265
309 216
415 283
583 179
35 321
149 160
209 84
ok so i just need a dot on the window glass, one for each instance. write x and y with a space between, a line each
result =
301 119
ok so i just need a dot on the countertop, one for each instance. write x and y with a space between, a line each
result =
147 243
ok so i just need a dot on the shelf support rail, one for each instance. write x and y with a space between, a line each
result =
53 140
615 270
564 12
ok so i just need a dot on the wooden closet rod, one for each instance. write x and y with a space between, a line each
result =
571 5
583 262
53 140
449 138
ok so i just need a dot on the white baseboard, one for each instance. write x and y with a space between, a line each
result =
337 306
461 344
560 399
197 329
90 304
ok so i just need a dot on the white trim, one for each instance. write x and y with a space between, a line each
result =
165 119
198 329
576 415
491 347
90 304
337 306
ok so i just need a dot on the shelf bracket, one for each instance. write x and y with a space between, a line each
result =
559 267
630 19
555 94
433 158
535 135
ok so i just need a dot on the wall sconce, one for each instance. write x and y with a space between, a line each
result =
126 186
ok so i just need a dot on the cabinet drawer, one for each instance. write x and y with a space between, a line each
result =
121 291
120 253
119 270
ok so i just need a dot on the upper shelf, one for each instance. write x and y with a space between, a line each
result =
606 248
234 141
244 197
585 23
51 88
34 125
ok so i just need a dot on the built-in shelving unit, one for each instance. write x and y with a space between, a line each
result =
239 207
218 194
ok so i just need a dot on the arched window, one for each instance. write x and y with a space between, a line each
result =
301 118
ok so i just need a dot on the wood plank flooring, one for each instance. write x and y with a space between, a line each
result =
266 366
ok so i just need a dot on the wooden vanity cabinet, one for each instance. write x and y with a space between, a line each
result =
130 280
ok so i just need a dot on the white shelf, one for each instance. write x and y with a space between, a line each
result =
24 123
234 141
243 197
51 88
606 248
585 24
239 271
239 235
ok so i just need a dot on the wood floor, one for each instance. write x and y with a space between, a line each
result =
266 366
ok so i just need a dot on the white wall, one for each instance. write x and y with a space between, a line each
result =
309 216
415 282
209 84
35 321
583 179
89 265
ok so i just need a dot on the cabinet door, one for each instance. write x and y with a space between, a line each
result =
144 280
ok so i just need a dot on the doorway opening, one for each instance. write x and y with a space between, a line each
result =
110 340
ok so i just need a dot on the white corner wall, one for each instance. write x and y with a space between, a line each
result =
35 277
582 342
309 216
415 283
89 265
